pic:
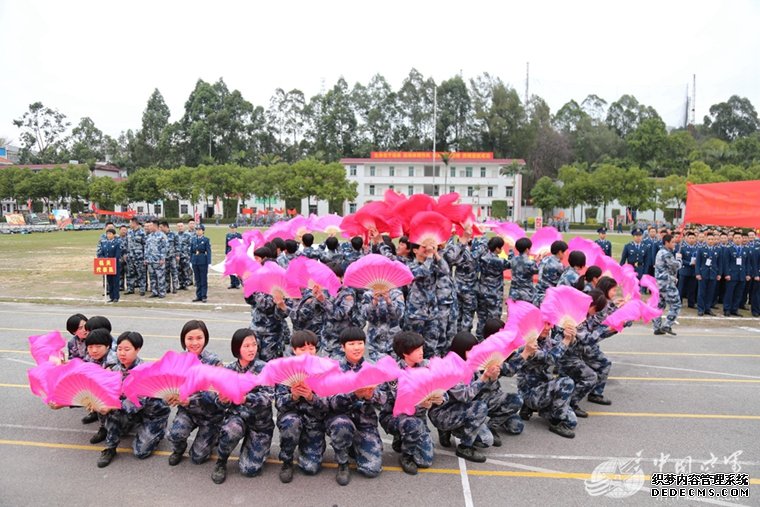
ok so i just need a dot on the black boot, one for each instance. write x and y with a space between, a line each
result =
106 456
286 472
176 456
99 436
599 399
496 437
470 454
579 412
562 430
343 476
220 471
444 437
396 445
408 464
525 413
90 418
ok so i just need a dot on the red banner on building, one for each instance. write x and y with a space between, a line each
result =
428 155
104 266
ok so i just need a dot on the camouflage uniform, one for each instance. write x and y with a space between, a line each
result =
448 308
269 325
540 390
384 321
422 315
148 421
76 348
184 269
503 407
252 421
155 258
465 263
523 269
311 253
284 259
172 264
491 293
341 311
665 269
413 430
350 254
569 277
136 260
353 424
301 423
464 415
328 256
573 362
549 272
204 412
308 313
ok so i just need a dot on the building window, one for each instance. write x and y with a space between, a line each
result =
141 209
470 191
352 207
509 191
352 170
390 187
372 190
371 170
482 172
391 171
490 192
410 190
468 172
430 173
183 209
451 189
433 190
452 171
411 171
157 209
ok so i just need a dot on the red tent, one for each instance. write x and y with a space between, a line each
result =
736 203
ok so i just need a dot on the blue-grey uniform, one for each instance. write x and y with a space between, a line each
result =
111 249
448 307
350 254
172 262
754 273
503 407
549 272
136 261
284 259
156 249
411 431
464 261
605 245
252 421
635 254
311 253
490 288
352 424
708 270
592 353
234 281
383 321
540 390
569 277
687 281
666 268
521 288
204 411
301 423
735 272
77 348
184 269
148 422
421 314
463 414
309 313
341 311
200 259
269 325
573 363
328 256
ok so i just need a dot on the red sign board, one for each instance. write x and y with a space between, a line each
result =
104 266
428 155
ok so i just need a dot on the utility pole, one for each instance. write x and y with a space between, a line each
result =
527 82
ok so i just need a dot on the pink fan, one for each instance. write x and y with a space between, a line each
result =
161 379
407 209
565 306
542 240
430 229
253 237
588 247
648 282
378 215
39 379
329 224
416 385
457 213
280 229
305 272
228 384
524 319
630 283
271 279
469 223
494 350
299 226
509 232
295 369
392 198
47 347
648 312
338 382
238 262
351 227
633 310
377 272
86 385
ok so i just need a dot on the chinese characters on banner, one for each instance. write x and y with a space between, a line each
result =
104 266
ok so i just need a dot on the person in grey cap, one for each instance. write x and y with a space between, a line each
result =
200 258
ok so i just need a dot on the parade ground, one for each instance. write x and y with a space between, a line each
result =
681 404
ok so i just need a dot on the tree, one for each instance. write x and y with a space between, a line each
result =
679 147
732 119
569 116
12 182
648 142
576 185
545 195
636 189
596 141
106 192
143 185
335 124
699 172
42 130
152 143
87 142
608 180
595 107
625 115
415 101
454 113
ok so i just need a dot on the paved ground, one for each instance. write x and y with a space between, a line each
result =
685 402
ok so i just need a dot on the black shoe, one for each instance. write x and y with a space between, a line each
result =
525 413
220 472
129 292
408 464
710 313
659 331
726 314
99 436
669 330
197 300
154 295
700 314
444 437
470 454
231 287
90 418
579 412
343 477
743 307
106 456
737 314
692 306
598 399
496 437
286 472
174 291
142 292
183 288
562 430
175 457
756 314
205 299
396 445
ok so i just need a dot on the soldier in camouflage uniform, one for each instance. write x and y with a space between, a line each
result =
448 307
308 247
268 324
341 311
422 314
540 390
148 421
665 271
135 258
465 264
185 271
155 260
491 283
550 270
300 418
290 253
172 257
384 313
309 312
571 275
252 420
352 423
523 268
352 251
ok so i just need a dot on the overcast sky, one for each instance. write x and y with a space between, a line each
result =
103 59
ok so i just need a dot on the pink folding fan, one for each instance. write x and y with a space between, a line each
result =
279 229
161 379
633 310
47 347
369 375
295 369
377 272
305 272
39 379
524 319
228 384
238 262
494 350
565 306
271 279
588 247
542 240
416 385
509 232
329 224
86 385
253 237
378 215
430 229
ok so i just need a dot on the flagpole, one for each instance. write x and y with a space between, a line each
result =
435 130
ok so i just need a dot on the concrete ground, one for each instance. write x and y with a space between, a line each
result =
683 403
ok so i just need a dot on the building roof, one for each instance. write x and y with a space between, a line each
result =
499 161
5 161
39 167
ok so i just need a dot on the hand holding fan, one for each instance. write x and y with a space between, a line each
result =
370 375
429 229
305 272
524 319
565 306
228 384
377 272
379 216
295 370
162 379
271 279
649 282
47 347
494 350
542 240
86 385
418 385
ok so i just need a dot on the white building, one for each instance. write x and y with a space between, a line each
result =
477 177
